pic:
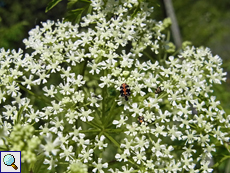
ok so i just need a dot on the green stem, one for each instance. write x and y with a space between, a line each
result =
145 53
25 89
164 94
111 114
103 102
94 125
112 140
167 40
115 130
161 78
89 131
133 163
218 163
176 52
168 35
84 67
104 90
33 94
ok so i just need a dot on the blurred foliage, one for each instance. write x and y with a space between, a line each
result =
17 17
10 35
206 23
76 9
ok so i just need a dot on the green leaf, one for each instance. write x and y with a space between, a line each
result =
218 163
25 167
19 115
52 4
71 3
39 167
75 15
89 10
3 148
87 1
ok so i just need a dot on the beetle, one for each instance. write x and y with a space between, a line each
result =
140 119
125 91
158 90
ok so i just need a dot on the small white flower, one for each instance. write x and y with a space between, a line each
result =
131 129
121 122
99 166
173 97
100 142
122 157
51 161
28 82
106 80
139 156
84 115
50 92
33 115
67 152
57 125
50 146
79 81
94 99
94 67
190 136
12 89
157 148
41 77
86 155
142 143
136 110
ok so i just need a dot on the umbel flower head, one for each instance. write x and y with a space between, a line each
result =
68 88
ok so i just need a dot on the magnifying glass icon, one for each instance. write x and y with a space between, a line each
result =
9 160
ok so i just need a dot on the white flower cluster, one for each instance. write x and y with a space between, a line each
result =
69 86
